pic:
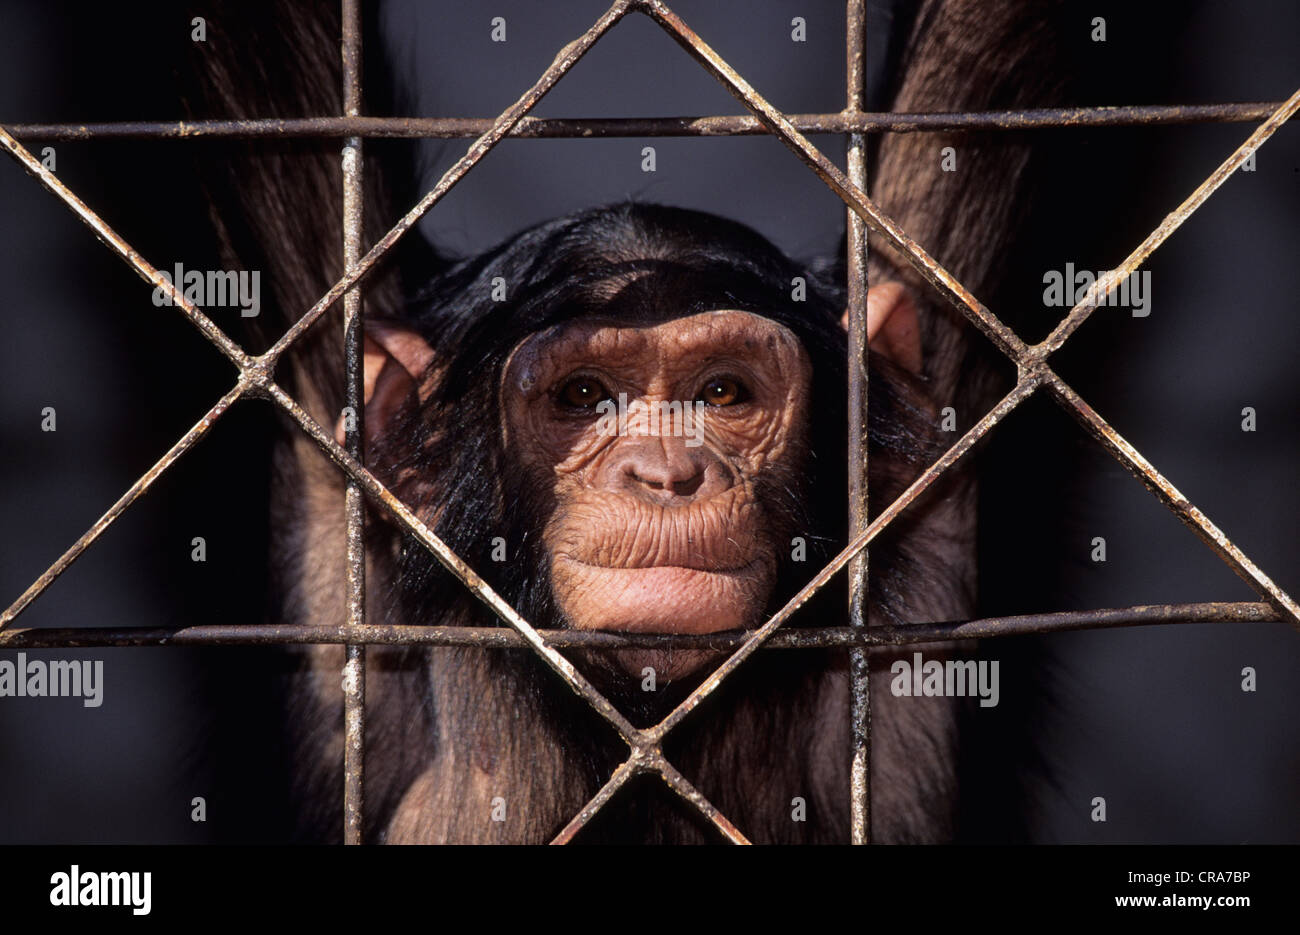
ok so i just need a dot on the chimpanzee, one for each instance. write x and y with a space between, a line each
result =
626 419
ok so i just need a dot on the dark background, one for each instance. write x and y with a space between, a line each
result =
1153 719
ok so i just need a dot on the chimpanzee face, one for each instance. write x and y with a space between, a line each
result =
658 441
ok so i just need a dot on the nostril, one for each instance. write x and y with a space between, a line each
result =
645 481
686 488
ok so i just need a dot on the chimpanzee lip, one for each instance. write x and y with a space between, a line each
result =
701 567
662 598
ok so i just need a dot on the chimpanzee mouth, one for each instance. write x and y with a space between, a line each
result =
668 599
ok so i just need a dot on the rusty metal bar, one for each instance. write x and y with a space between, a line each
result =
1103 286
114 242
133 493
625 771
856 275
354 666
679 784
1170 496
947 285
1143 615
564 60
607 127
353 679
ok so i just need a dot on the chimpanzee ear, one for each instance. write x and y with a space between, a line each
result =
396 361
893 324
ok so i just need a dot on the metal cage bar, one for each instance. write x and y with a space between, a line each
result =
354 665
448 128
256 381
252 634
855 265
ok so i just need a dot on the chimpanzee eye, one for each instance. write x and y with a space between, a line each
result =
722 391
583 393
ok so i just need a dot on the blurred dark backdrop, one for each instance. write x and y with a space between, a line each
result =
1153 719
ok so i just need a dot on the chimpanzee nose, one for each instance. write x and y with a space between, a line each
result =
664 468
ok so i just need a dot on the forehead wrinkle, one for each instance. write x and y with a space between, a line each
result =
726 333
